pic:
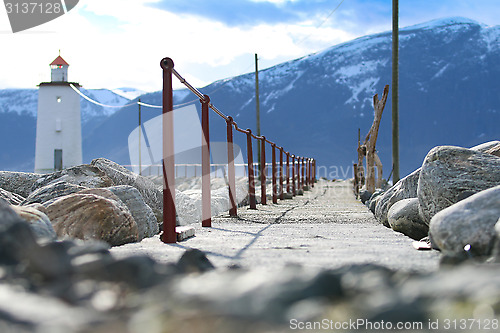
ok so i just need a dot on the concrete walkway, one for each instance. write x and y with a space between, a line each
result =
325 228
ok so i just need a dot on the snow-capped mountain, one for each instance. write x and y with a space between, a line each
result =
313 106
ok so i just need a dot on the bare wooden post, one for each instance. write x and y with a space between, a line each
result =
356 181
371 139
378 164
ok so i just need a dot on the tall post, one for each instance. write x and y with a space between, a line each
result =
257 102
282 196
288 189
169 220
263 194
140 134
294 188
251 180
206 209
275 186
395 91
302 168
230 168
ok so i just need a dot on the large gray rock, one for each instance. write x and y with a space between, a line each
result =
471 221
12 198
38 221
405 188
494 150
18 182
404 217
143 215
82 175
450 174
89 216
151 193
47 194
484 147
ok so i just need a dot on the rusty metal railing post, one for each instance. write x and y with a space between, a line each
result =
294 188
275 186
313 177
308 171
169 234
251 181
299 179
263 198
230 168
282 196
206 209
288 173
302 173
315 169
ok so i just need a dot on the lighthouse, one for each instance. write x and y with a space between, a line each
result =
58 125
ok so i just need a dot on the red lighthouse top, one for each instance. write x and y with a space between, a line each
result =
59 61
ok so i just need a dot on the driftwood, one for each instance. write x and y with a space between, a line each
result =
372 159
368 149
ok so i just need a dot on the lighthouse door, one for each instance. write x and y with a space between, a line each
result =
58 164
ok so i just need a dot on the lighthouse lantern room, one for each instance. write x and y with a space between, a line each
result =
58 127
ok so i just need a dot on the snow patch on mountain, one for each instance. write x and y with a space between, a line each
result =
367 86
20 101
128 93
492 38
453 23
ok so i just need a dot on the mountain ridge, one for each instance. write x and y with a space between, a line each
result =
448 73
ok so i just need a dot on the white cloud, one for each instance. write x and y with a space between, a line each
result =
117 43
130 53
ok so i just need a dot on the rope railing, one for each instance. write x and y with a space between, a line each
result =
300 173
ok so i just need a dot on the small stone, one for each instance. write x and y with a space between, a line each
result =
194 261
365 195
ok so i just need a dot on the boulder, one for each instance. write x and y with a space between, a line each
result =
496 250
151 193
82 175
495 150
12 198
404 217
47 194
471 221
89 216
143 215
15 235
18 182
38 221
140 210
450 174
485 146
364 195
405 188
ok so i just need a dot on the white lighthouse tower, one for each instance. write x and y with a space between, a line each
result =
58 126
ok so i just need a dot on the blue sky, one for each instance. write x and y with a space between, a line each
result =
118 43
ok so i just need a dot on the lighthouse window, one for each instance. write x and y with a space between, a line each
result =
59 99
